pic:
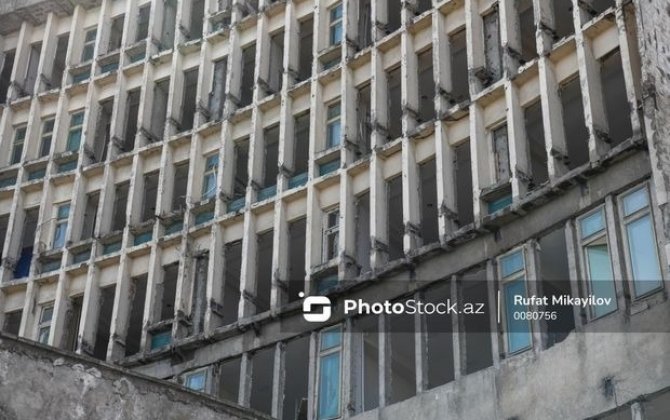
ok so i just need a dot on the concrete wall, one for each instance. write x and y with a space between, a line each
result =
39 382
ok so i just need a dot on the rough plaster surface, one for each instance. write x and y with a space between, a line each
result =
38 382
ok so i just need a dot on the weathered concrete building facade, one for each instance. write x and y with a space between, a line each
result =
174 173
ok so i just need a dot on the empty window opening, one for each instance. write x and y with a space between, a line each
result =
12 322
231 281
241 178
296 379
6 74
439 340
90 215
189 99
364 118
301 146
276 62
159 109
248 69
179 186
103 130
22 268
305 53
555 281
168 292
150 195
393 15
429 205
492 48
365 364
137 298
4 223
331 234
143 22
271 158
87 52
116 33
596 7
537 150
527 29
458 59
297 231
426 86
563 19
218 95
423 5
394 104
132 108
364 23
31 70
615 97
402 358
102 330
199 294
59 61
196 21
229 385
333 125
363 243
263 271
395 228
120 206
261 380
478 353
501 153
72 320
168 24
574 125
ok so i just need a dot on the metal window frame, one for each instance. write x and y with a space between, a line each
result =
509 279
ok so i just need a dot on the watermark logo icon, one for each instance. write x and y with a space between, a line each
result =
311 306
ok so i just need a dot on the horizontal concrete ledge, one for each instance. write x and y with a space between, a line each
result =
38 381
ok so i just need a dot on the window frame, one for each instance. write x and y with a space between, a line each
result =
18 142
195 373
45 325
79 127
211 170
44 134
321 354
331 121
89 44
583 243
335 24
519 275
327 231
59 222
624 221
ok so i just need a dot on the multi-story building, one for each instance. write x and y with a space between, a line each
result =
174 173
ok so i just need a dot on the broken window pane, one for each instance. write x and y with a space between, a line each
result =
241 178
364 117
22 268
31 71
196 21
301 146
271 158
116 33
501 153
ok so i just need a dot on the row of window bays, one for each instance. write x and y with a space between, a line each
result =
611 247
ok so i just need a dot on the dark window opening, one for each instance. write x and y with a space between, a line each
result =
394 104
439 340
168 291
363 244
458 56
6 75
261 380
179 186
305 53
12 322
527 29
563 20
241 169
395 227
297 231
248 69
615 97
231 281
275 63
159 109
574 125
59 61
271 158
90 216
132 109
402 363
103 130
364 117
102 331
22 268
197 17
150 196
199 293
463 180
189 99
365 364
537 149
426 86
393 10
492 48
143 23
229 385
429 205
218 95
301 146
116 33
263 271
296 379
364 23
138 294
72 321
4 223
169 24
120 206
478 351
31 71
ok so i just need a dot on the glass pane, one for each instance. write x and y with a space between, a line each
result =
208 186
635 201
77 119
64 211
336 34
330 339
196 382
518 330
59 235
334 111
212 161
44 335
49 126
592 224
329 386
336 12
334 133
643 256
511 264
73 140
47 313
601 277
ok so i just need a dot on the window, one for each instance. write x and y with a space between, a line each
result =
19 139
329 373
333 125
89 45
44 326
62 214
641 252
74 134
331 230
209 178
596 260
196 381
501 153
336 24
143 22
513 278
47 136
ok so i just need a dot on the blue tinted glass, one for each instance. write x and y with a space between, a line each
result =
336 12
511 264
500 203
334 134
81 257
518 330
212 161
38 174
330 339
329 386
73 140
209 186
600 277
635 201
64 211
196 382
336 34
113 247
328 167
643 256
298 180
174 227
236 205
204 217
323 285
592 224
59 236
266 193
161 339
77 119
142 238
